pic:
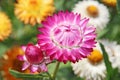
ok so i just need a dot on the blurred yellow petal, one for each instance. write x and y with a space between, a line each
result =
111 3
33 11
5 26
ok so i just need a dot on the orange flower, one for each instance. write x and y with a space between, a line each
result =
33 11
9 60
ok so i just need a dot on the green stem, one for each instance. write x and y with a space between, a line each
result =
56 70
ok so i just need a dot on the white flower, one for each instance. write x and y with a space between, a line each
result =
113 50
97 12
91 68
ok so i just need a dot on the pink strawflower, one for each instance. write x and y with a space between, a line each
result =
66 37
34 59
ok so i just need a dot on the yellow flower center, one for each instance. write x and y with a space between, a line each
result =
92 11
33 2
95 56
34 5
110 2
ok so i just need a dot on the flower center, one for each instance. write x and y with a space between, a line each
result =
67 36
92 11
95 57
33 4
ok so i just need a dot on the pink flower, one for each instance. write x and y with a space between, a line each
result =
34 58
66 37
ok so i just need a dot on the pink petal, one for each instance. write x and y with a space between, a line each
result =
83 23
21 57
89 43
43 67
23 48
25 65
33 68
90 29
47 60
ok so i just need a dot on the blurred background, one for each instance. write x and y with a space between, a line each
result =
19 28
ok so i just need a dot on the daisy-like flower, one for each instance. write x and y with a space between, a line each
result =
113 50
5 26
66 37
9 60
33 11
111 3
97 12
34 59
91 68
94 67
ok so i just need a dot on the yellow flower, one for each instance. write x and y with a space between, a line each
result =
9 60
33 11
5 26
110 2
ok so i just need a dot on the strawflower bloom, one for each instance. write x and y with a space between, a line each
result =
5 26
66 37
113 50
97 12
33 11
92 67
34 59
111 3
9 60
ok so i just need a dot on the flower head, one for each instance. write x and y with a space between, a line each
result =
97 12
34 59
9 60
113 50
66 37
93 67
110 2
33 11
5 26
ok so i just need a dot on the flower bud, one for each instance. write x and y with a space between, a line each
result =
33 54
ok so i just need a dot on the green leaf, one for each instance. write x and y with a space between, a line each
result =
107 63
118 6
115 75
112 74
28 76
